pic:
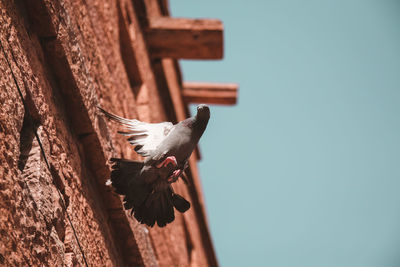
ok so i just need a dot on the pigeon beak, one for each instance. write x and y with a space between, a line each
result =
201 106
203 111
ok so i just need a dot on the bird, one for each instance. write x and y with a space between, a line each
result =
166 148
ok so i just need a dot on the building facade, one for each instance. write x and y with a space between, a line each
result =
59 60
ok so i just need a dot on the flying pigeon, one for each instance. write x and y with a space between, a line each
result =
166 147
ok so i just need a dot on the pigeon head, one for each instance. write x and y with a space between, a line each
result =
203 112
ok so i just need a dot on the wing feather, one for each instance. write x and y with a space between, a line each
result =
144 136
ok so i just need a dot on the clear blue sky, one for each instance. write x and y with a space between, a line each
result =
305 170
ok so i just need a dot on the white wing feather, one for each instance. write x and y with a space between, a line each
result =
144 136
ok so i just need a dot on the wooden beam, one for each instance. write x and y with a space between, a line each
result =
185 38
210 93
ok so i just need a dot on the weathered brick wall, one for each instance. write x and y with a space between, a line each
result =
68 57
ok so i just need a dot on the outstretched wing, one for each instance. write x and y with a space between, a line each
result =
145 137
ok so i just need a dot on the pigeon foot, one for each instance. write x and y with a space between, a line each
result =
168 160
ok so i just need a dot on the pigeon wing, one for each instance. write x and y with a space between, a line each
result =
145 137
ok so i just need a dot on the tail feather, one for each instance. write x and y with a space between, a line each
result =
180 203
150 214
166 211
157 208
149 205
144 215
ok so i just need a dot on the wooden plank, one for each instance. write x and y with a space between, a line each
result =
185 38
199 235
210 93
202 252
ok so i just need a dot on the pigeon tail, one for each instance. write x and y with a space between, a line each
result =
157 208
151 203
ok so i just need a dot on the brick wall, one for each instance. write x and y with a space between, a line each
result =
58 61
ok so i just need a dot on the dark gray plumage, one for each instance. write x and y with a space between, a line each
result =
166 148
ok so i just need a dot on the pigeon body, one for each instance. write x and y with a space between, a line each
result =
166 148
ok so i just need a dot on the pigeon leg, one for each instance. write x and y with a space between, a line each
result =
184 178
172 179
179 173
168 160
175 175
